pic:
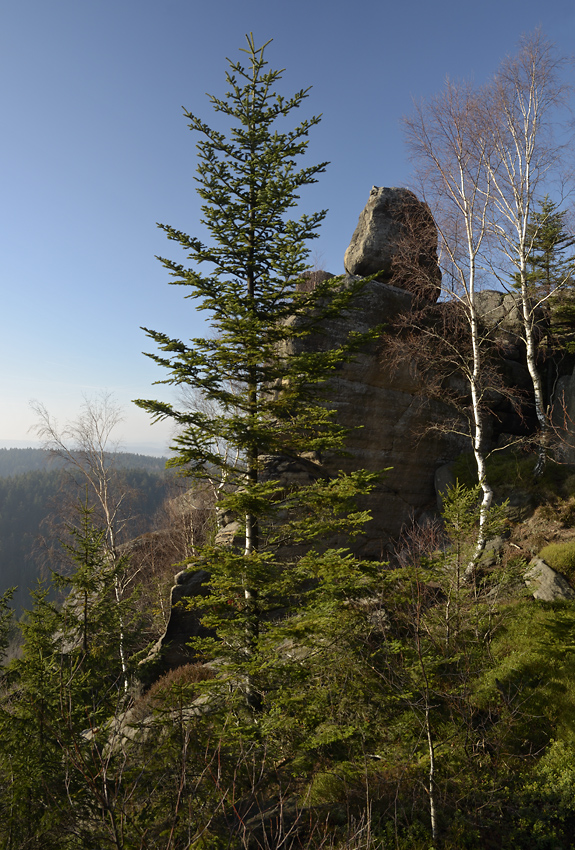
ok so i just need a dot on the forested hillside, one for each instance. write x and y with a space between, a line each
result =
20 461
37 495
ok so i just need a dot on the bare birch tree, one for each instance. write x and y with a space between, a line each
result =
87 447
520 119
453 169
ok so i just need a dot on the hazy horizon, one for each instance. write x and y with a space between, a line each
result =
150 449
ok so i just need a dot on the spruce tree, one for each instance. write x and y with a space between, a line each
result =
5 621
59 699
552 270
264 378
266 401
549 269
32 776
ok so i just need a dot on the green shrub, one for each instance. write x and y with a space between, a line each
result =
560 556
548 798
173 689
513 469
335 785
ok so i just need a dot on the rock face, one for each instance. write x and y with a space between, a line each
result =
500 318
390 421
444 480
172 650
395 229
501 310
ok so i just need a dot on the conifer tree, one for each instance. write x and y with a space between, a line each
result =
268 385
32 804
67 681
268 401
5 621
551 270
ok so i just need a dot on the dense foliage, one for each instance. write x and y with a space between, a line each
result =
393 700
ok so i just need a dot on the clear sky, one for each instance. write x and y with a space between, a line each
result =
96 151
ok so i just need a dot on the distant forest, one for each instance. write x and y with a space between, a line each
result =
20 461
37 498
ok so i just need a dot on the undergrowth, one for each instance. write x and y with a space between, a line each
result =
513 469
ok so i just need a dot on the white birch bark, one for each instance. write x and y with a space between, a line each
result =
453 159
522 100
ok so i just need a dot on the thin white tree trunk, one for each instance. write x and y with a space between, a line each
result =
431 777
427 723
478 437
524 98
531 352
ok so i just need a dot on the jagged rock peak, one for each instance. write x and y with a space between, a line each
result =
396 240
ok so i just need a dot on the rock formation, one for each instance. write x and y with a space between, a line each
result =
564 417
383 404
395 227
392 425
390 422
171 650
545 583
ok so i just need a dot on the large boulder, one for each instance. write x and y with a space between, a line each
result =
546 584
396 240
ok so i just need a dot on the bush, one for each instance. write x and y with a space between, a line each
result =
548 799
560 556
513 469
174 688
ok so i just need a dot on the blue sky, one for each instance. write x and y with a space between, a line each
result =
96 151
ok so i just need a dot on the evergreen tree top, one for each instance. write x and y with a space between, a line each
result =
248 182
550 268
265 385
